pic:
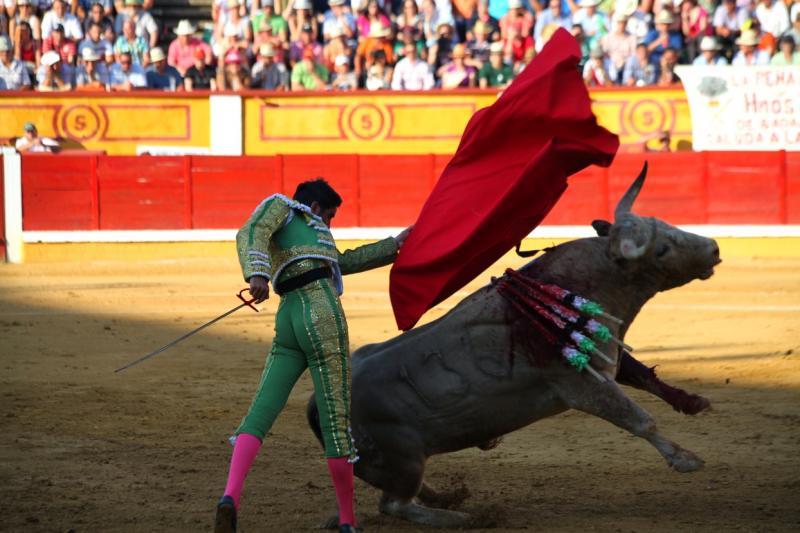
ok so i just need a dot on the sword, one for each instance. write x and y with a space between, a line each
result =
248 303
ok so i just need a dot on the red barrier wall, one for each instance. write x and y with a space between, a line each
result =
94 191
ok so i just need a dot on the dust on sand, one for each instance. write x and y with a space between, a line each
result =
85 449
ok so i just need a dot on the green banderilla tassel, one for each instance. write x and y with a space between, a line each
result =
576 358
583 342
598 331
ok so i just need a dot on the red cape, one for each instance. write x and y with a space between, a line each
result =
509 170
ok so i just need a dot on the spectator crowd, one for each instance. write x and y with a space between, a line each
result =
105 45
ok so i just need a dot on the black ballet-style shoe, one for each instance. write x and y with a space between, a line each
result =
225 521
347 528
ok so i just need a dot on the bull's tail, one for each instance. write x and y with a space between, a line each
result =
312 415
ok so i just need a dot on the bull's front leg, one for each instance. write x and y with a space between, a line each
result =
608 401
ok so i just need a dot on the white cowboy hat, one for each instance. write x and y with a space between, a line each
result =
267 50
709 44
589 3
514 4
626 7
157 54
664 17
185 28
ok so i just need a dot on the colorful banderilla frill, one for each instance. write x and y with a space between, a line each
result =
564 319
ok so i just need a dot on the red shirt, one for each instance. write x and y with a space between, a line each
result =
66 49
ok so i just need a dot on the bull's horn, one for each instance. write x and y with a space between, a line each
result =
626 203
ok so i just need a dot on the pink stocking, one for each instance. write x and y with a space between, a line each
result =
342 475
244 452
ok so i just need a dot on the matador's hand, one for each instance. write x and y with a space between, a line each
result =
403 236
259 288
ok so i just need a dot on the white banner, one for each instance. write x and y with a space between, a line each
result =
743 108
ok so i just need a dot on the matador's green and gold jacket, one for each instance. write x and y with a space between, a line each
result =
283 238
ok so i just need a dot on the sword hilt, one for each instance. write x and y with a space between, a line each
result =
249 303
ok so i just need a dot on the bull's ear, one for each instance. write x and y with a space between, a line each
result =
602 227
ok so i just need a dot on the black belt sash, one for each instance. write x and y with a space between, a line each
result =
303 279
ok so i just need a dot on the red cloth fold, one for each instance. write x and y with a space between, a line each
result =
510 168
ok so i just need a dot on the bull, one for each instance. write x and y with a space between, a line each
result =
466 379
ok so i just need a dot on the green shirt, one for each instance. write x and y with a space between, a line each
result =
301 75
496 77
780 60
277 22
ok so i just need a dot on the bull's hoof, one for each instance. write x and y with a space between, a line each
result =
692 404
684 461
420 514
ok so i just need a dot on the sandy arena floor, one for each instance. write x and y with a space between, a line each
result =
84 449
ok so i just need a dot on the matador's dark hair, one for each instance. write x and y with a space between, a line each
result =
317 190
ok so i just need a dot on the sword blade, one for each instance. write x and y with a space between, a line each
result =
179 339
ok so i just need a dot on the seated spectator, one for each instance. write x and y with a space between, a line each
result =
200 76
13 74
595 73
377 39
516 47
412 73
463 11
83 9
59 15
280 29
233 74
577 32
639 70
661 38
343 78
99 15
482 14
766 41
66 48
182 50
94 40
30 142
439 54
26 12
639 21
299 14
709 53
159 75
727 22
125 75
267 73
618 46
297 48
25 48
410 18
457 74
495 73
554 14
430 23
479 47
517 17
773 17
409 36
372 20
335 47
593 22
308 75
795 31
53 75
667 63
130 43
91 74
266 35
143 22
787 53
339 22
694 26
748 53
236 25
379 72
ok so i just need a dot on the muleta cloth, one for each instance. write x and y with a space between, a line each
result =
510 168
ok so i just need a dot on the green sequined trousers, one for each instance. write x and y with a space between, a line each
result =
310 332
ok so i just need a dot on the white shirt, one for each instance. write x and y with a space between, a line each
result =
14 76
135 75
760 57
72 26
773 18
410 76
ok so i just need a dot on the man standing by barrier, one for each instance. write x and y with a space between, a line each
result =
288 241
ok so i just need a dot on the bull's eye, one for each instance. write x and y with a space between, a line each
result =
662 250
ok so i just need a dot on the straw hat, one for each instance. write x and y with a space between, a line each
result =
302 4
589 3
619 17
157 54
496 48
748 38
266 50
626 7
514 4
341 60
50 58
709 44
459 50
664 17
185 28
88 54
